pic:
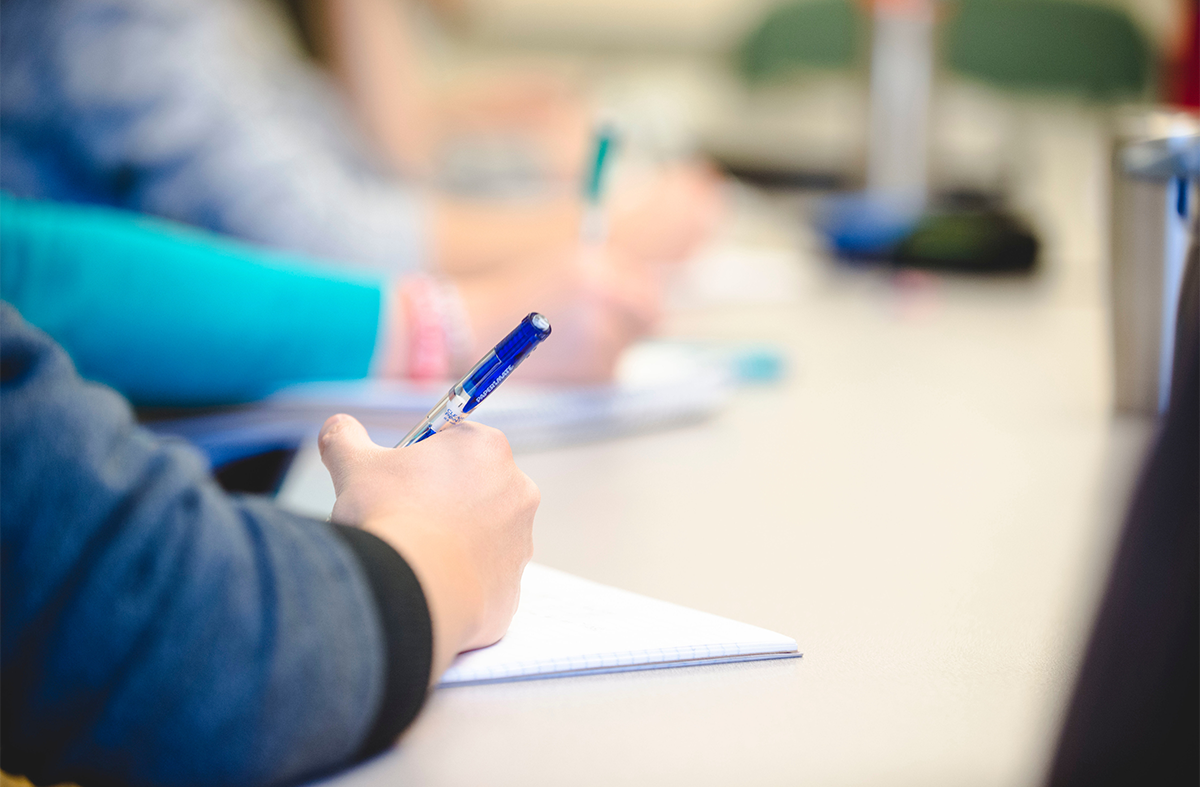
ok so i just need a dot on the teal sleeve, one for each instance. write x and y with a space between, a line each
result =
169 315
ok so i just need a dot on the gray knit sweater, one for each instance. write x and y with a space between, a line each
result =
158 631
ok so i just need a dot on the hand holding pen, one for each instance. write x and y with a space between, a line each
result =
457 509
469 566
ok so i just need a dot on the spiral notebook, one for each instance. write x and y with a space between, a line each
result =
570 626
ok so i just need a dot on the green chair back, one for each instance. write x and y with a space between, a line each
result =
1092 51
805 34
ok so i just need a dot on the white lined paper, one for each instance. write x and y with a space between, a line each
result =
567 625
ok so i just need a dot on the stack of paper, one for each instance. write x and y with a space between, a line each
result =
658 386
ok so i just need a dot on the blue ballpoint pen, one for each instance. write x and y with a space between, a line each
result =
483 378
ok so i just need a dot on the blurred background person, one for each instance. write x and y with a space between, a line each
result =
518 124
200 112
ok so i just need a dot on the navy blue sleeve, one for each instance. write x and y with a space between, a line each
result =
158 631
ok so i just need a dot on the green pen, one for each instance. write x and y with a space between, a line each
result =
594 229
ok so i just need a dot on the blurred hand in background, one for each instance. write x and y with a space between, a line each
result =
598 302
371 49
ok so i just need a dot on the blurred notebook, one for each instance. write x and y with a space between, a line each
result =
659 385
571 626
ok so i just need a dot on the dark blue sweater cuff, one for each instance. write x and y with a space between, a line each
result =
407 633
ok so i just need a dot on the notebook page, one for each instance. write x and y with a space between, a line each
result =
569 625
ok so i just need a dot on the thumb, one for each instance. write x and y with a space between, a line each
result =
341 441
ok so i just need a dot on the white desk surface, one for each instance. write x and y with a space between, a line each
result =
926 505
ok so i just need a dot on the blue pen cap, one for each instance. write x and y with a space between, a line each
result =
504 357
532 331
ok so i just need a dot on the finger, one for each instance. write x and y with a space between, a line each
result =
341 441
487 442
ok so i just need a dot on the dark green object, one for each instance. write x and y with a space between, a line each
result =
970 241
806 34
1048 45
605 141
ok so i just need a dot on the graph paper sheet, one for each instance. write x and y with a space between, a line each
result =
571 626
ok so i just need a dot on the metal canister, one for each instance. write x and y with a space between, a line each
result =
1156 168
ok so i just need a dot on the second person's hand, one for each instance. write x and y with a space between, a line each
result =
598 302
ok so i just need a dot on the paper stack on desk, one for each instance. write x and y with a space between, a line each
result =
571 626
658 386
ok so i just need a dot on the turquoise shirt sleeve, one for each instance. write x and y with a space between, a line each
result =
172 316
